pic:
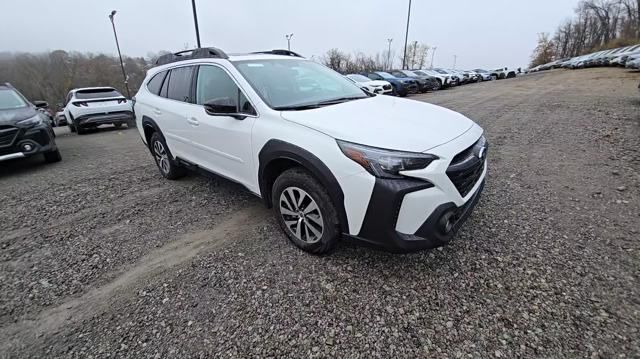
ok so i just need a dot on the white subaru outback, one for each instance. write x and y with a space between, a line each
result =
333 160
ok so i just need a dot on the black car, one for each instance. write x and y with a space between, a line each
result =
24 131
401 86
426 83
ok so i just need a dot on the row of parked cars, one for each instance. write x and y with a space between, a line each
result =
628 56
404 82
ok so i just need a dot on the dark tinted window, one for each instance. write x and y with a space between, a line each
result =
156 81
180 83
214 83
97 93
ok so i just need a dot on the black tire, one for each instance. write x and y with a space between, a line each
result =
170 169
438 85
72 128
117 125
299 179
80 130
52 156
131 124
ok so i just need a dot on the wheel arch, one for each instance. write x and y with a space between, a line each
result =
276 156
149 126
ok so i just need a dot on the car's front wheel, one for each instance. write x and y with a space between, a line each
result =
168 167
305 211
52 156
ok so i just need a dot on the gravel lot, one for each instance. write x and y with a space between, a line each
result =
101 257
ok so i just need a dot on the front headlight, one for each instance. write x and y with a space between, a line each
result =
30 122
385 163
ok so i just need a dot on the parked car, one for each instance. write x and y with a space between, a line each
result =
484 74
444 80
401 86
90 107
502 73
332 160
24 131
43 107
425 82
456 80
60 119
473 76
374 86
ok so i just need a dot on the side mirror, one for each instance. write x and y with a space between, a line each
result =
41 104
221 106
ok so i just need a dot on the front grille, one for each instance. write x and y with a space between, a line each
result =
8 135
467 166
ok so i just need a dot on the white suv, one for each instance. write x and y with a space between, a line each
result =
90 107
331 158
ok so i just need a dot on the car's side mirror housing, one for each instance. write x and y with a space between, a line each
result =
223 106
41 104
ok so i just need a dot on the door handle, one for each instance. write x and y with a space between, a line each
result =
192 121
157 112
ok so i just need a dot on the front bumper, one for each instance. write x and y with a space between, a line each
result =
18 142
97 119
425 209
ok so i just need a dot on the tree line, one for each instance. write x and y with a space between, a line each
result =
596 25
49 76
345 63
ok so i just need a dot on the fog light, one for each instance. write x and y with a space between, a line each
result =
27 147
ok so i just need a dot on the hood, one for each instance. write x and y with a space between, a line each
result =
377 83
10 117
385 122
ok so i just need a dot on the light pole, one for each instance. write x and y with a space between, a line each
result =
406 36
124 74
433 53
288 37
195 21
389 54
455 58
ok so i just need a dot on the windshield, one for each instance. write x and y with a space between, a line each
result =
386 75
286 83
10 100
359 78
441 71
421 73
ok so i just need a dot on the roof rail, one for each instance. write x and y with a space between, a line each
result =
199 53
279 52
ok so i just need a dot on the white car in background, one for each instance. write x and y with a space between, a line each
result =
484 74
90 107
444 79
374 86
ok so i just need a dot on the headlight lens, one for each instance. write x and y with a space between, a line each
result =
30 122
385 163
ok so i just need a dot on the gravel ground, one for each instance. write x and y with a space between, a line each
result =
100 257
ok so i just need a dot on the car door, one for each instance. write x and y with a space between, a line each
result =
173 113
223 141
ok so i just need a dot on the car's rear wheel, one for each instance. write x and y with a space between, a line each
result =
169 168
305 211
117 125
52 156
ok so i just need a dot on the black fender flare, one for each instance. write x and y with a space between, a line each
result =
276 149
149 122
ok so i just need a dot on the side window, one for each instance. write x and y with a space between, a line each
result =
156 82
213 83
180 84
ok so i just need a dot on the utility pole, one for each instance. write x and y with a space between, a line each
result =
433 53
455 58
406 37
389 55
124 74
288 37
195 21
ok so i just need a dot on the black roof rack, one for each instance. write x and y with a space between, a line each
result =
199 53
279 52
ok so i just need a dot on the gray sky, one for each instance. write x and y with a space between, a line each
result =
489 33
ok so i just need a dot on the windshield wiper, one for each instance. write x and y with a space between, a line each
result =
309 106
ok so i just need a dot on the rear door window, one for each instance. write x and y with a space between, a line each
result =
155 83
179 88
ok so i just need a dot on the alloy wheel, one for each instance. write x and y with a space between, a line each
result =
161 156
301 215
